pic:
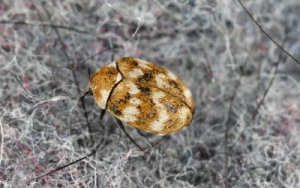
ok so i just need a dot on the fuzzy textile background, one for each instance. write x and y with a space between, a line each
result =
247 93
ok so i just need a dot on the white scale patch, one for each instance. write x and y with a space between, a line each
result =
143 63
158 125
187 94
129 114
158 95
119 78
135 101
183 113
113 64
160 80
132 88
135 73
104 97
172 76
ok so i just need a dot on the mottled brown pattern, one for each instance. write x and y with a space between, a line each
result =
146 77
148 111
174 87
167 110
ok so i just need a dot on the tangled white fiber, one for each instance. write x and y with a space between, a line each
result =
246 90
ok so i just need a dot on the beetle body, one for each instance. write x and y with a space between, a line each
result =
144 95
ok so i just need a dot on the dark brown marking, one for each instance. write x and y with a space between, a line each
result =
174 84
151 103
115 110
145 77
127 96
171 108
124 99
151 115
123 58
145 90
171 124
133 63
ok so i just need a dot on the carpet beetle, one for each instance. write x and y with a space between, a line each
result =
144 95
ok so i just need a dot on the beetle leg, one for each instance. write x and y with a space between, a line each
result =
143 135
112 57
164 138
85 112
89 92
123 129
64 166
102 114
